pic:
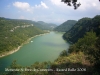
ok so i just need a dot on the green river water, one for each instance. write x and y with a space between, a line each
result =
43 48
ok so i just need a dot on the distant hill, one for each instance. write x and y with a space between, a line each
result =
40 24
81 27
49 26
65 26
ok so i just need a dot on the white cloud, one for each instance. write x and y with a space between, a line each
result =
23 5
26 6
44 5
58 5
41 5
94 4
56 2
88 4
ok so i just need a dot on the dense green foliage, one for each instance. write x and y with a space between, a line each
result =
84 43
86 35
90 46
66 26
15 32
81 27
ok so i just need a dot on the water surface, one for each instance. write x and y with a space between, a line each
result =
42 48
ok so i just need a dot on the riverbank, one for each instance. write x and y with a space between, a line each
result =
18 48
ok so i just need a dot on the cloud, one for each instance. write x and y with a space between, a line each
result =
44 5
88 4
94 4
26 6
23 6
41 5
56 2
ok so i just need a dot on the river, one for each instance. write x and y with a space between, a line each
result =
39 49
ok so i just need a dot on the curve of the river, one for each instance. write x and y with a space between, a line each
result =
42 48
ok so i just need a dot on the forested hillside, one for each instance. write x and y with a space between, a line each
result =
39 24
49 26
81 27
15 32
65 26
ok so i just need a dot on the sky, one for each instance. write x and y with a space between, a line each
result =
50 11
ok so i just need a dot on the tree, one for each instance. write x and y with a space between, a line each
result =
86 45
72 2
64 53
90 46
